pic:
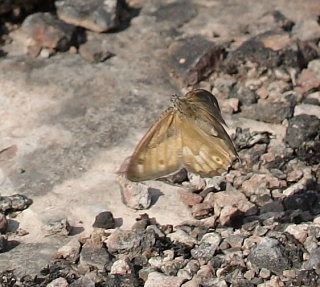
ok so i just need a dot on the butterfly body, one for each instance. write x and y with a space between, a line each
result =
188 135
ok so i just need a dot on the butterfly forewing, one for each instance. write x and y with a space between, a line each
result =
158 152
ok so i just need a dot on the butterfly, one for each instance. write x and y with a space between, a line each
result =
189 135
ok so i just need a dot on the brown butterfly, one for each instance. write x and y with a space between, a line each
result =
188 135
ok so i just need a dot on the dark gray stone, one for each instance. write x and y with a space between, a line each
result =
130 241
12 203
104 220
269 112
95 15
270 254
94 255
193 58
314 260
302 128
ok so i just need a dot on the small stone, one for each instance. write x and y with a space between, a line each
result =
298 231
135 195
302 134
83 281
12 203
230 106
171 267
189 198
294 175
307 30
94 255
249 274
130 242
69 251
94 52
276 41
227 213
196 182
230 201
235 240
306 109
96 15
290 273
156 279
44 30
201 210
268 111
3 223
46 53
298 186
316 220
262 92
121 267
243 94
182 237
271 255
104 220
307 81
205 271
193 58
264 273
61 227
314 260
59 282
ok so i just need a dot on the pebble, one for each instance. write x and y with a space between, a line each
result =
121 267
93 255
192 58
156 279
69 251
299 232
59 282
182 237
61 227
96 15
104 220
44 30
269 254
135 195
189 198
314 260
16 202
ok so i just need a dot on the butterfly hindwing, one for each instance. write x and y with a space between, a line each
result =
203 153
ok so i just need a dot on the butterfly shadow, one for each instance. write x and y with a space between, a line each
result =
155 195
